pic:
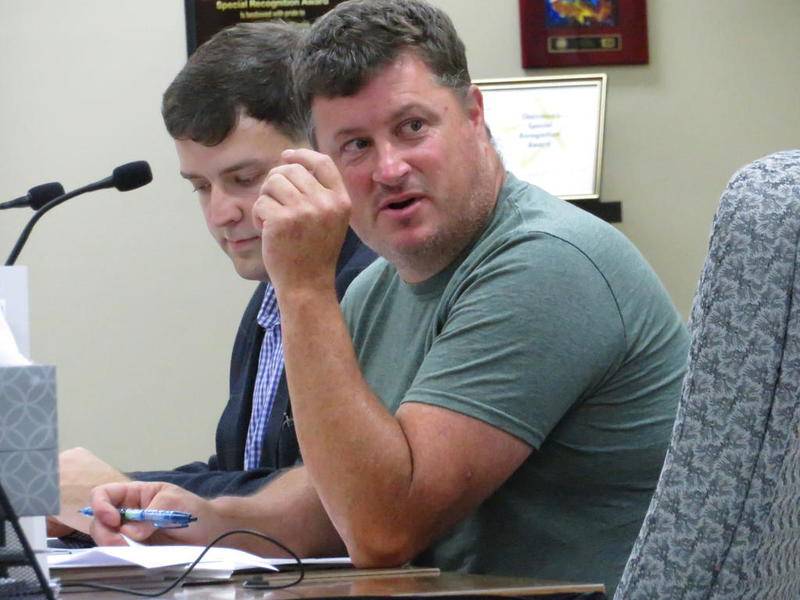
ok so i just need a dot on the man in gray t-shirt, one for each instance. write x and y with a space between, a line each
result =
502 398
554 329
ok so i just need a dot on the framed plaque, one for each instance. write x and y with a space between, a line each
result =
204 18
564 33
549 130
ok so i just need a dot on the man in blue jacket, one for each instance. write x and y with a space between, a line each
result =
231 112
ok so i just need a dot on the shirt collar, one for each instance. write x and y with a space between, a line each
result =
268 316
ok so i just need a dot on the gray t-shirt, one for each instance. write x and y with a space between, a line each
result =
555 329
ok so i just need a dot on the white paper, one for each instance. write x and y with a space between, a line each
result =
14 305
10 356
156 557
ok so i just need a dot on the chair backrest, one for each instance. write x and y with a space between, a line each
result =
724 522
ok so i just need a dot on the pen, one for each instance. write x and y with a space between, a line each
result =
163 519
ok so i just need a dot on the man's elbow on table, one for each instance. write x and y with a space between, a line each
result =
386 544
382 551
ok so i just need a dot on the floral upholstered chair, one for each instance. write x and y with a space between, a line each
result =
724 522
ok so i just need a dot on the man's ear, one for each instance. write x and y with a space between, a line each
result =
473 106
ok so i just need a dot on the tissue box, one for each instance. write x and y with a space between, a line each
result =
29 439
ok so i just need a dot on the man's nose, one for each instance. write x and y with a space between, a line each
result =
223 208
391 166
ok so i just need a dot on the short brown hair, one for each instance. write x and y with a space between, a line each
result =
345 48
242 69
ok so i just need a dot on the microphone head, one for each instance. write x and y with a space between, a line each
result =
42 194
131 175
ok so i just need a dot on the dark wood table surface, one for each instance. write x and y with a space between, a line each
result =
431 584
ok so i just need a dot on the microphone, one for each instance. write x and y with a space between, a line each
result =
126 177
36 197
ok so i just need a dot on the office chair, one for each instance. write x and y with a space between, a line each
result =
724 522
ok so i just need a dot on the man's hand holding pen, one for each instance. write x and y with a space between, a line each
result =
108 524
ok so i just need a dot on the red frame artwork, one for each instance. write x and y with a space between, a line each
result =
565 33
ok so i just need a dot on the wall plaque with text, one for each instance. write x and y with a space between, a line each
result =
204 18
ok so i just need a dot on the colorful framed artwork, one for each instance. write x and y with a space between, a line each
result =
565 33
204 18
549 130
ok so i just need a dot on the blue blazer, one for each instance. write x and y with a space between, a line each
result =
223 474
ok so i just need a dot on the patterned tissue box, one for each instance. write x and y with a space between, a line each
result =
29 439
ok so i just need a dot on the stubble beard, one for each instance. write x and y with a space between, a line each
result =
437 251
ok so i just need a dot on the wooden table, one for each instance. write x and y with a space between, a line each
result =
443 584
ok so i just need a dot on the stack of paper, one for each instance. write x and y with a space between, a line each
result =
152 564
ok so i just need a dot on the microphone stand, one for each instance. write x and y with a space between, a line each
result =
97 185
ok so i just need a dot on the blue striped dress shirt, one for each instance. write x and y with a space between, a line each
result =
268 375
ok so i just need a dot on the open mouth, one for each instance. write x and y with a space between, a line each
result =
401 205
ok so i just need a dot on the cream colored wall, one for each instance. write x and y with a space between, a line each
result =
130 298
137 308
721 89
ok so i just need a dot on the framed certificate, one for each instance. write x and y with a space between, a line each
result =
549 130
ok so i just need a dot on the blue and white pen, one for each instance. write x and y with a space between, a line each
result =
163 519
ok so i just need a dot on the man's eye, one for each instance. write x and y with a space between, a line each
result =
413 126
248 179
356 145
201 188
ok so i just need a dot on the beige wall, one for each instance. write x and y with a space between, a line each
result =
137 308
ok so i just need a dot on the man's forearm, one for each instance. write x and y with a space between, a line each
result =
355 450
356 453
288 510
